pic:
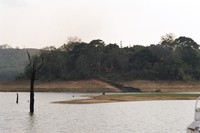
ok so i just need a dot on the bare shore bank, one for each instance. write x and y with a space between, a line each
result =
100 86
59 86
130 97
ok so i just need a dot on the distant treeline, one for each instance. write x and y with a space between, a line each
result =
171 59
12 61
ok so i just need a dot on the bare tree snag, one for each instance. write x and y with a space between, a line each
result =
35 65
17 98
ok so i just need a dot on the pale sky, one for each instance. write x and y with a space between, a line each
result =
40 23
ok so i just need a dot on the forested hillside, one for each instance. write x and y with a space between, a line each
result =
171 59
12 62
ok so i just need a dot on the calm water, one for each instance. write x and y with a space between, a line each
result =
127 117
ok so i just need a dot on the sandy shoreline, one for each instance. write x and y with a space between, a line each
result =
100 86
130 97
58 86
88 86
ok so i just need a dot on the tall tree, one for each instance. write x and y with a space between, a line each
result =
186 42
35 64
168 41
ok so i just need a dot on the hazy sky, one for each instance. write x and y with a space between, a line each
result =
40 23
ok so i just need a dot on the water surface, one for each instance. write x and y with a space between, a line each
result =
171 116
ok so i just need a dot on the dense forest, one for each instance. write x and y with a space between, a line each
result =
171 59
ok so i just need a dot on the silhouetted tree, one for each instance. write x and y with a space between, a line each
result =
168 41
35 64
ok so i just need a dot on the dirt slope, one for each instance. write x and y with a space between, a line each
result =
60 86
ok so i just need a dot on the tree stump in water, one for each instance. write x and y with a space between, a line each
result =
17 98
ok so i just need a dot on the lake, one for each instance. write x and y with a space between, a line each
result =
171 116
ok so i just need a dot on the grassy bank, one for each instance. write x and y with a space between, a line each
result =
131 97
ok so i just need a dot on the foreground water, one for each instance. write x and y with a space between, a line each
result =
127 117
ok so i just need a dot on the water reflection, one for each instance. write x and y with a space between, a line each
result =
31 121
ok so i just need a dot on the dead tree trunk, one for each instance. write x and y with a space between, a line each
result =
32 92
17 98
35 65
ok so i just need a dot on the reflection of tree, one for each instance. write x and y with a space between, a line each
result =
31 122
